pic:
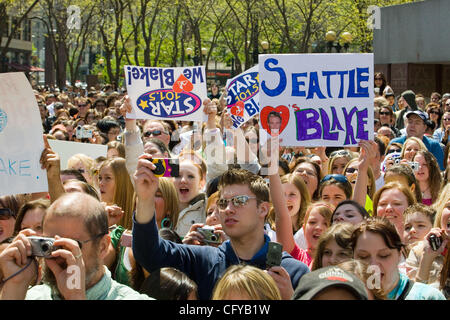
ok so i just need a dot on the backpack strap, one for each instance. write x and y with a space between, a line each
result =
407 289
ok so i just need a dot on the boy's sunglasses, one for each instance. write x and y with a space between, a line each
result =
237 201
154 133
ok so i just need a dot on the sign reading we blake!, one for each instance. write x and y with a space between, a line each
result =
166 93
316 99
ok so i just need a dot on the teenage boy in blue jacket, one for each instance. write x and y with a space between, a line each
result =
242 219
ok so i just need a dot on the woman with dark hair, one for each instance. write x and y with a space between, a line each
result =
381 83
335 188
376 242
30 216
349 211
9 208
310 172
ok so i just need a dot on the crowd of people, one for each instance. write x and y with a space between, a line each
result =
369 222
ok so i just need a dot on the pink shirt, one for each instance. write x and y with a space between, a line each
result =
427 202
301 255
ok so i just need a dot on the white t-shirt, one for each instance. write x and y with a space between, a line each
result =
300 240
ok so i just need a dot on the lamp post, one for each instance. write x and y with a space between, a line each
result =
330 38
195 58
265 46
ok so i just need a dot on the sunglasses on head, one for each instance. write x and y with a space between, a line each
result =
154 133
339 153
394 150
337 177
237 201
6 213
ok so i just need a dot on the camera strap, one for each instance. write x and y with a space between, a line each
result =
2 282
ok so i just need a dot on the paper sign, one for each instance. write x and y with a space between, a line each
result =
21 138
316 99
67 149
243 96
166 93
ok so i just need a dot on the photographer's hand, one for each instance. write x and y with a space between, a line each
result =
283 281
146 185
194 237
68 268
14 258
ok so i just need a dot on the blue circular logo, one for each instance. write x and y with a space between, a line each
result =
3 120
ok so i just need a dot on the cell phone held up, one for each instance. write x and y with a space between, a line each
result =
435 242
274 254
166 167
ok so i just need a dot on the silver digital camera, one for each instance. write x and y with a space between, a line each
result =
42 247
210 236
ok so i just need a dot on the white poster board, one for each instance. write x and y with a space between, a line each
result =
166 93
243 96
66 149
317 99
21 137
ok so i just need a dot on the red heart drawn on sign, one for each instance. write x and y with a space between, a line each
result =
238 109
182 84
283 111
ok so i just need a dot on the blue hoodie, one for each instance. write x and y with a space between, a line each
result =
203 264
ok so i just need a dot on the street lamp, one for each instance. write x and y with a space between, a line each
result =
330 37
265 46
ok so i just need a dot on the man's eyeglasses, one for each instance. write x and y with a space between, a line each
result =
6 213
338 177
237 201
340 153
81 242
154 133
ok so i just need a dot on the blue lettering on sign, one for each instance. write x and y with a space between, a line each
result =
164 103
166 76
3 120
242 88
310 86
14 167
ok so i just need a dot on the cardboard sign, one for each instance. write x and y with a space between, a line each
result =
21 138
166 93
243 96
317 99
67 149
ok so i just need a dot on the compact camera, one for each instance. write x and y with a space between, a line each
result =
42 247
81 133
414 165
435 242
166 167
210 236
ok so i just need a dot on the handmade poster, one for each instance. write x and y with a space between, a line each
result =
66 149
21 137
243 96
166 93
316 99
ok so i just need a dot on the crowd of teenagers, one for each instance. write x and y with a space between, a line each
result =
369 222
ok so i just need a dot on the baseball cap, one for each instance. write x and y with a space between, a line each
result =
314 282
420 113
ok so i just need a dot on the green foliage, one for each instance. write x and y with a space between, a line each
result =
157 32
